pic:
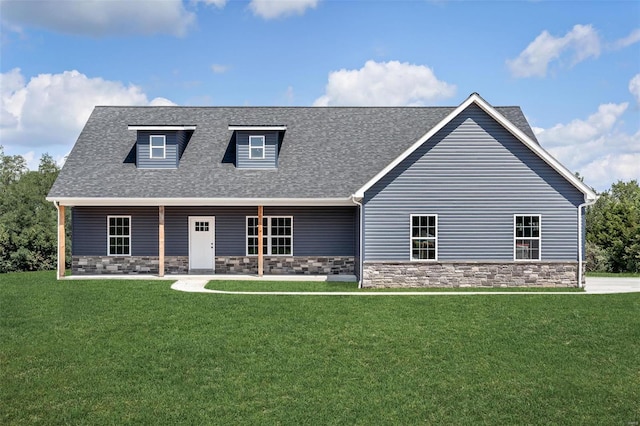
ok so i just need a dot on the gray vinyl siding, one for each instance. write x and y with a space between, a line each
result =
320 231
317 231
270 160
171 153
89 230
475 176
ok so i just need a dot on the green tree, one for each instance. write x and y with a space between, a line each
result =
613 229
28 232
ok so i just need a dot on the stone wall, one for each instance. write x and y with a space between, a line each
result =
281 265
276 265
470 274
97 265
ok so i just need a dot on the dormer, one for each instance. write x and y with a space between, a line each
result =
161 147
257 147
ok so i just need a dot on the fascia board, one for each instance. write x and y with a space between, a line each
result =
117 201
258 128
151 128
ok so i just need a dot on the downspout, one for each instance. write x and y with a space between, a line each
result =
580 207
360 238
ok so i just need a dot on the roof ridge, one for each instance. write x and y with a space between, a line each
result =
290 107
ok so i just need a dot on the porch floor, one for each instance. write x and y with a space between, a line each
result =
219 277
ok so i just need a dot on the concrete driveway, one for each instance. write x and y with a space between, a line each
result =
604 285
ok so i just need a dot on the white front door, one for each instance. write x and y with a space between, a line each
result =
201 242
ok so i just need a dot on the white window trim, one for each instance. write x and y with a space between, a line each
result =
264 149
265 233
164 147
411 238
109 235
539 237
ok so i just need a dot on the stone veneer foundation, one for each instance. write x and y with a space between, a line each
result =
97 265
470 274
277 265
282 265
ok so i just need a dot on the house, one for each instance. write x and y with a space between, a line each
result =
395 196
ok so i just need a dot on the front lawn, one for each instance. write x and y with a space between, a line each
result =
119 352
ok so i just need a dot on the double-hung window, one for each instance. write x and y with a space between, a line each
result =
256 147
424 237
119 235
277 235
158 146
526 234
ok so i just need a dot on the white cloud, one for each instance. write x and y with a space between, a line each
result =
271 9
611 168
384 84
219 68
632 38
596 125
596 147
534 61
634 87
217 3
101 17
51 109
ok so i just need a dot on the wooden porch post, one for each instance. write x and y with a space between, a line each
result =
260 248
61 242
161 241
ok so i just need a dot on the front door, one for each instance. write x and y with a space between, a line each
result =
201 242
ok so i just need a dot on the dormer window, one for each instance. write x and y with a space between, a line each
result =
158 146
256 147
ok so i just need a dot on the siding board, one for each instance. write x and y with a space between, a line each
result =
171 152
317 231
270 160
475 176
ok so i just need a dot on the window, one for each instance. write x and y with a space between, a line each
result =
526 237
424 234
202 226
119 235
277 235
256 147
158 146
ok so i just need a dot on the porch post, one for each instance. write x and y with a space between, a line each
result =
61 242
260 248
161 241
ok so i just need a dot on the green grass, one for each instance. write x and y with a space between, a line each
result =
614 274
330 286
125 352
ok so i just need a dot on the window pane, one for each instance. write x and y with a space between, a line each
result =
257 152
157 152
423 233
118 236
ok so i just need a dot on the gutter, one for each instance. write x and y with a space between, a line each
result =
360 238
580 207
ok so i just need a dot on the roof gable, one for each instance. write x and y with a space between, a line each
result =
527 140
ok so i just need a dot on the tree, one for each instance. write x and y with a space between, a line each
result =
28 232
613 229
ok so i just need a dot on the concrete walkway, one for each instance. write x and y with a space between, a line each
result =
593 286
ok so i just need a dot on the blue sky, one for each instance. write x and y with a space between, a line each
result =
573 67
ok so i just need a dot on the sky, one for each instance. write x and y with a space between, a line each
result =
572 66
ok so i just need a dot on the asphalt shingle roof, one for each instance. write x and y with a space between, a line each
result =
327 152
